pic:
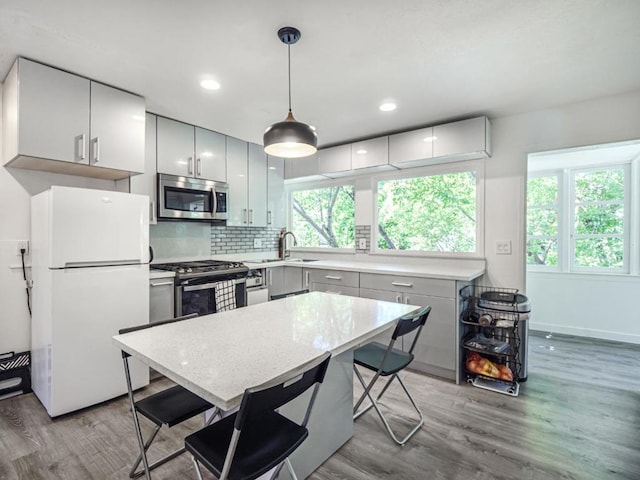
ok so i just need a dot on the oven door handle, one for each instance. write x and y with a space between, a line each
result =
207 286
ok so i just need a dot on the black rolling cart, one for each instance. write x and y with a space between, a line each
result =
494 338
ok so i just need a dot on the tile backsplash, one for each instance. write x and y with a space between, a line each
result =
175 240
242 239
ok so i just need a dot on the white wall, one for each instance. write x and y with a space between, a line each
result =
16 188
597 306
601 120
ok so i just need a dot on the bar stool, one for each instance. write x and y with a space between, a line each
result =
168 407
257 438
385 360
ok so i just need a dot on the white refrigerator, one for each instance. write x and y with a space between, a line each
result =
89 256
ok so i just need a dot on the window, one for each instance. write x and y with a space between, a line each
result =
578 219
598 225
324 217
543 213
435 212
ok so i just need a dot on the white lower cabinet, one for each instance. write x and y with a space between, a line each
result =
160 299
435 352
332 281
281 280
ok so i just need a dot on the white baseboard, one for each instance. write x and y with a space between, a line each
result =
586 332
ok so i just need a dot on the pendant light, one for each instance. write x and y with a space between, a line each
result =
290 138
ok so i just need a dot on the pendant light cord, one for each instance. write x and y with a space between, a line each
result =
289 70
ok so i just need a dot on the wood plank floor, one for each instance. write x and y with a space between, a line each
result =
577 417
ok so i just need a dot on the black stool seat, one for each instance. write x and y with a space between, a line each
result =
172 406
371 355
267 441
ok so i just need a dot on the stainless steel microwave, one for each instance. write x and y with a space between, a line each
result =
185 198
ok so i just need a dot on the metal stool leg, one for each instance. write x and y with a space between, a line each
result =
374 404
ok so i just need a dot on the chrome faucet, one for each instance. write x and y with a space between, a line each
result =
282 244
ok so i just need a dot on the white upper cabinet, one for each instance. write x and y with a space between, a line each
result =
302 167
465 139
175 147
59 122
257 186
334 159
237 170
370 153
276 216
247 174
145 184
413 146
117 129
211 160
189 151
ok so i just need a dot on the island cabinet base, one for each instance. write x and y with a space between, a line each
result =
331 421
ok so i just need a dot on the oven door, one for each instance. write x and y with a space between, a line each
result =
199 295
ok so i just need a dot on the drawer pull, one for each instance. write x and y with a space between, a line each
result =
401 284
331 277
159 284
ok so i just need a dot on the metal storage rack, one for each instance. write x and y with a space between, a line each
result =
489 326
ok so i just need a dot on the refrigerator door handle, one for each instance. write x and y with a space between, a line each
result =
103 263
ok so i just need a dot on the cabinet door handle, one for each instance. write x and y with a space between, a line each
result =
250 216
80 146
268 217
270 275
245 215
406 300
306 279
331 277
198 167
190 166
159 284
152 211
96 150
398 299
400 284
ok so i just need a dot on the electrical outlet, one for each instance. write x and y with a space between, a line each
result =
23 244
503 247
362 243
257 243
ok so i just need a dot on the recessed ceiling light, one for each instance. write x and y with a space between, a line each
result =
387 107
209 84
362 151
430 139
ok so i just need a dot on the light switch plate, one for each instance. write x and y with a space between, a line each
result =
257 243
503 247
362 243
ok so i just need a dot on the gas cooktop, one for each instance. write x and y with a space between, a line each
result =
201 266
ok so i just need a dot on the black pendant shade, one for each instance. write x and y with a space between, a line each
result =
290 138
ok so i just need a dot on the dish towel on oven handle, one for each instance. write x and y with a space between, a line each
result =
225 295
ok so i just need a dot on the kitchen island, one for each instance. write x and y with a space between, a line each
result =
219 356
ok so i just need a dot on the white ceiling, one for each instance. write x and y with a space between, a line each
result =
438 59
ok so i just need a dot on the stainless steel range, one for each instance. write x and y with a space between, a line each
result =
195 285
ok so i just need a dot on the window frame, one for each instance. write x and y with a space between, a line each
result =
571 205
559 174
312 185
476 166
566 219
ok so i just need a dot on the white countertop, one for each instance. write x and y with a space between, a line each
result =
218 356
447 272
